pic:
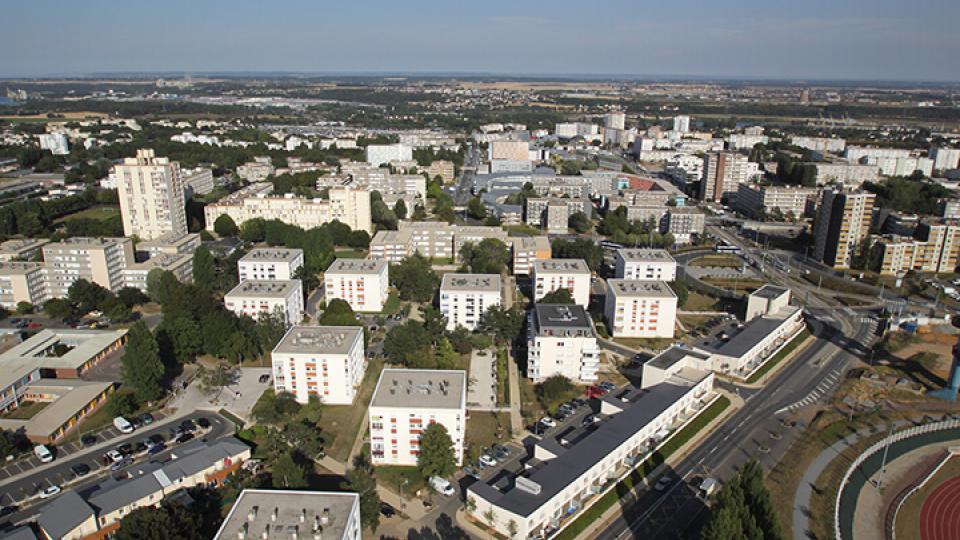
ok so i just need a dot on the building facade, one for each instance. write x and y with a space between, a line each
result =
646 265
255 298
571 274
151 196
527 250
561 341
842 223
464 298
267 264
323 361
362 283
641 309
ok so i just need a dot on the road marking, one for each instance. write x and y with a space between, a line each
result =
714 449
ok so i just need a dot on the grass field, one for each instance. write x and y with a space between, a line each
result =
351 254
654 344
718 261
908 519
392 305
97 212
343 422
736 285
26 410
482 430
393 476
699 302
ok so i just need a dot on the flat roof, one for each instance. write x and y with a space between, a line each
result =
356 266
421 389
9 268
383 237
471 282
531 242
639 288
319 339
21 244
566 316
286 255
36 351
170 239
164 261
770 291
754 332
301 512
86 242
280 288
561 266
675 354
576 457
73 396
645 255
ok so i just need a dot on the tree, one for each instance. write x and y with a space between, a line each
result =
559 296
217 378
408 344
273 408
743 509
161 285
680 289
288 473
24 308
116 311
183 336
29 224
400 209
414 279
580 222
253 230
132 296
338 313
169 521
87 296
58 308
13 442
579 248
445 357
305 437
225 226
122 404
490 256
142 369
436 452
504 324
555 387
476 208
204 268
360 480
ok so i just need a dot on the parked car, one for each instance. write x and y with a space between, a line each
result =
35 326
43 453
188 426
607 385
488 460
501 452
264 378
80 469
123 425
157 438
121 464
589 420
7 510
471 472
184 438
203 423
125 449
594 392
51 491
156 449
386 510
663 483
146 419
441 485
549 422
88 439
114 456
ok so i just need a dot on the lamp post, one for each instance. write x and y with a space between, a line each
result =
403 502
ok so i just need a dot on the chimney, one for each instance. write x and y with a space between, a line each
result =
303 515
242 533
266 532
252 514
295 532
273 516
325 518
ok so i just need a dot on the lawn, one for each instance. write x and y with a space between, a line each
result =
342 422
777 358
838 284
530 406
650 344
522 230
692 322
393 476
26 410
736 285
351 254
97 212
699 302
503 378
482 430
908 519
718 261
392 305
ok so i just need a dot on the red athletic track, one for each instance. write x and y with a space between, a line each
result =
940 514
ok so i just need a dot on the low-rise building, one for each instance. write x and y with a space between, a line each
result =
683 223
270 264
22 282
641 309
766 300
171 244
571 274
272 513
756 200
526 250
323 361
24 249
344 204
362 283
646 265
197 181
406 402
181 266
255 298
391 246
464 298
98 260
257 170
539 210
561 341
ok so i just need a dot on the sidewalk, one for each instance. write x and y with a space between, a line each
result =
516 418
736 403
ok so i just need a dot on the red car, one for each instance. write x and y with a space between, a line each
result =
594 392
35 325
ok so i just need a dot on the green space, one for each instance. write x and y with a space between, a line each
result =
342 422
350 254
699 302
647 344
392 305
693 322
96 212
777 358
503 377
837 284
485 429
718 261
393 476
644 469
25 411
522 230
735 285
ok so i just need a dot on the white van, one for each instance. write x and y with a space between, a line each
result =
43 453
441 485
123 425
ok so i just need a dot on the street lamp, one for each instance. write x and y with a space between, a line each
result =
403 502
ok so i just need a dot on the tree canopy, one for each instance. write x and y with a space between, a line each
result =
578 248
490 256
225 226
436 456
743 509
558 296
142 368
908 195
414 279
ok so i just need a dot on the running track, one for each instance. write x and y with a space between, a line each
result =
940 514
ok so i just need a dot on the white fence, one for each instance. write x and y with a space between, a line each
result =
878 446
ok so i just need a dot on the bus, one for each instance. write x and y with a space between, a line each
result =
725 247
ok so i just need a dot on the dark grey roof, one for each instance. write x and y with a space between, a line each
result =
24 532
673 355
769 291
752 333
122 493
561 316
570 465
63 514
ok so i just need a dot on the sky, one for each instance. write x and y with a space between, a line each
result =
777 39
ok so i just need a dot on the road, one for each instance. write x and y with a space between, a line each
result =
19 490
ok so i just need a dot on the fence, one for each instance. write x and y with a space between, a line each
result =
878 446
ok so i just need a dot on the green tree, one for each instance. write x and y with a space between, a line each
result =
253 230
169 521
116 311
305 437
408 344
476 208
273 408
288 473
414 279
444 356
743 509
490 256
579 248
555 387
436 456
183 336
559 296
204 268
225 226
132 296
680 289
142 369
58 308
217 378
400 209
122 404
24 308
87 296
338 313
580 222
360 480
504 324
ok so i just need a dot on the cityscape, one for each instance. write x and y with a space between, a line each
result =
374 272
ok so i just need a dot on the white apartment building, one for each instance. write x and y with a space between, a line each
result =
150 190
378 154
855 154
851 175
391 246
267 264
171 244
615 120
683 222
257 170
789 200
766 300
323 361
464 298
98 260
646 265
406 402
56 143
362 283
945 159
571 274
743 141
526 250
253 298
820 144
21 249
347 205
326 515
561 341
181 266
22 282
198 181
641 309
681 123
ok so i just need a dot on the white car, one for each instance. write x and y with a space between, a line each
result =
441 485
49 492
114 456
487 460
43 453
549 422
123 425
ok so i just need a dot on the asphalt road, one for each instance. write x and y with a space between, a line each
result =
21 490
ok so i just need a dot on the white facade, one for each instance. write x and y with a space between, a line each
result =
526 250
378 154
640 309
56 143
766 300
561 341
151 196
362 283
646 265
323 361
851 175
405 403
510 150
615 120
681 123
464 298
945 159
346 205
820 144
326 515
571 274
268 264
253 298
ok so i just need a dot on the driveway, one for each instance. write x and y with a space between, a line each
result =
237 398
482 390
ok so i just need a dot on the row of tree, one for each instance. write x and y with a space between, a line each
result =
618 228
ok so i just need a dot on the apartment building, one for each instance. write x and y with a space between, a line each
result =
934 247
901 254
151 196
272 513
391 246
464 298
681 123
553 212
442 168
270 264
571 471
944 158
362 283
756 200
821 145
850 175
22 282
432 239
323 361
198 181
510 150
683 223
98 260
378 154
345 204
171 244
641 309
406 402
474 234
25 249
843 222
56 143
253 298
181 266
615 120
646 265
766 300
257 170
723 173
561 341
526 250
571 274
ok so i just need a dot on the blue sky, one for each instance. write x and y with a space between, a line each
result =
839 39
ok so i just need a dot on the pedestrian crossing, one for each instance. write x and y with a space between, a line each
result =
821 390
